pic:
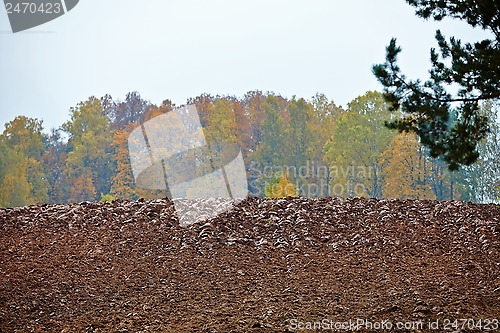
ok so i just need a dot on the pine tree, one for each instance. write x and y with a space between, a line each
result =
474 68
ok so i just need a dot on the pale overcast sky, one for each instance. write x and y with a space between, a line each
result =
179 49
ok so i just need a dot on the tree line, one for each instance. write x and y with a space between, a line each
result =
291 146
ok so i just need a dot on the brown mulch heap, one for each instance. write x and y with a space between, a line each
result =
265 266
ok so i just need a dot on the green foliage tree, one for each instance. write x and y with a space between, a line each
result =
299 138
319 129
428 106
354 151
272 147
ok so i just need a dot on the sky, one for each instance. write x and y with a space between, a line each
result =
179 49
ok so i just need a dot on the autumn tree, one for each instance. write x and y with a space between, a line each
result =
472 67
14 184
243 133
448 184
4 166
406 169
54 164
89 163
24 180
13 178
219 123
123 184
121 113
253 108
280 187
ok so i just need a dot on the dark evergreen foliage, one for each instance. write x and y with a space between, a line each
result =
450 125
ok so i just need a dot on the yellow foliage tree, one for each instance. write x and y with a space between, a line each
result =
23 180
83 188
280 187
122 183
88 166
407 169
